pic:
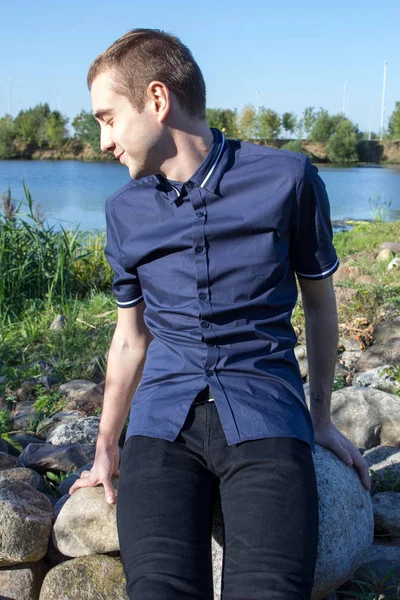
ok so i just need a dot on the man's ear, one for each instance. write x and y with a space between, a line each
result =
160 97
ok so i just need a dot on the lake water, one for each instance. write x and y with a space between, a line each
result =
74 192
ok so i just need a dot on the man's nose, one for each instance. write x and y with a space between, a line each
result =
106 143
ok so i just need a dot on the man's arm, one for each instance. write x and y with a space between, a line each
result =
319 304
125 364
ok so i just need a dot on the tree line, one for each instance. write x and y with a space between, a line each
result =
40 128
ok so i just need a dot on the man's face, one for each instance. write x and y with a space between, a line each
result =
131 136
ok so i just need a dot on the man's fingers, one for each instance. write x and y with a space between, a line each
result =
362 467
109 492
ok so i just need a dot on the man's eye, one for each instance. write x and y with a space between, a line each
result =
108 122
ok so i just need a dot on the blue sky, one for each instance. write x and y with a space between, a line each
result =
283 55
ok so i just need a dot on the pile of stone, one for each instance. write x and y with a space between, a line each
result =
54 546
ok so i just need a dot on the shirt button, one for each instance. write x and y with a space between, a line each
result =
190 185
209 373
204 324
202 296
199 249
200 214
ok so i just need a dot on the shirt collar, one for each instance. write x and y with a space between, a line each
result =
208 174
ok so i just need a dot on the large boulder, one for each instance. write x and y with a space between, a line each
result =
28 476
86 523
87 578
387 513
76 431
22 582
26 517
378 378
384 461
368 417
385 349
346 525
46 426
66 457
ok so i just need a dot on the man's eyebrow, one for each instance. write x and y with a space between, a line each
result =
102 112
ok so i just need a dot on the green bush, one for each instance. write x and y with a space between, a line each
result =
342 145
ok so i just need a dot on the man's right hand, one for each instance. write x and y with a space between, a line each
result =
104 467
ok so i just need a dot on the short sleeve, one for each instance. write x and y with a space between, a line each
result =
126 284
313 255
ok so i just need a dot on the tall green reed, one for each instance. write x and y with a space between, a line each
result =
41 263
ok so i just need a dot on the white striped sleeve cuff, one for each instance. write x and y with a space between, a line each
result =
130 302
321 275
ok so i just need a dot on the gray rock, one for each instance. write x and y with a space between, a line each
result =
374 572
76 385
301 356
47 426
78 431
378 552
368 417
387 330
22 439
26 518
384 255
23 582
394 264
68 457
59 322
387 513
384 461
87 578
393 246
7 461
380 353
345 525
350 358
3 379
28 476
24 415
377 378
86 524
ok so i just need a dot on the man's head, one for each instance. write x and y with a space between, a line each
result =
144 84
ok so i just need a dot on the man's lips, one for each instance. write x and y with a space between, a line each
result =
119 155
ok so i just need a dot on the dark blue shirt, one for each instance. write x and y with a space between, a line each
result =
214 260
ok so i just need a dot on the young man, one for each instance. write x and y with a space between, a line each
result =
205 241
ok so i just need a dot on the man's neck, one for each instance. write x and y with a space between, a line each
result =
191 148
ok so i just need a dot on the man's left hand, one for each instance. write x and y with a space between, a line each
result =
328 436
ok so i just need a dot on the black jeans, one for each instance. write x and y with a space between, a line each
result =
269 508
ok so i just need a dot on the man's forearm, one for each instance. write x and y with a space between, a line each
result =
322 342
124 372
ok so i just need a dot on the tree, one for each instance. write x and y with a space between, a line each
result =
307 121
394 123
289 122
268 124
7 135
30 125
324 126
223 119
55 129
247 122
342 145
87 129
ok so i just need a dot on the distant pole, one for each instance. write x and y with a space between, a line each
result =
9 95
347 103
370 119
258 99
344 98
383 98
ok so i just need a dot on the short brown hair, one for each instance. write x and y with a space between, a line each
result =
143 55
